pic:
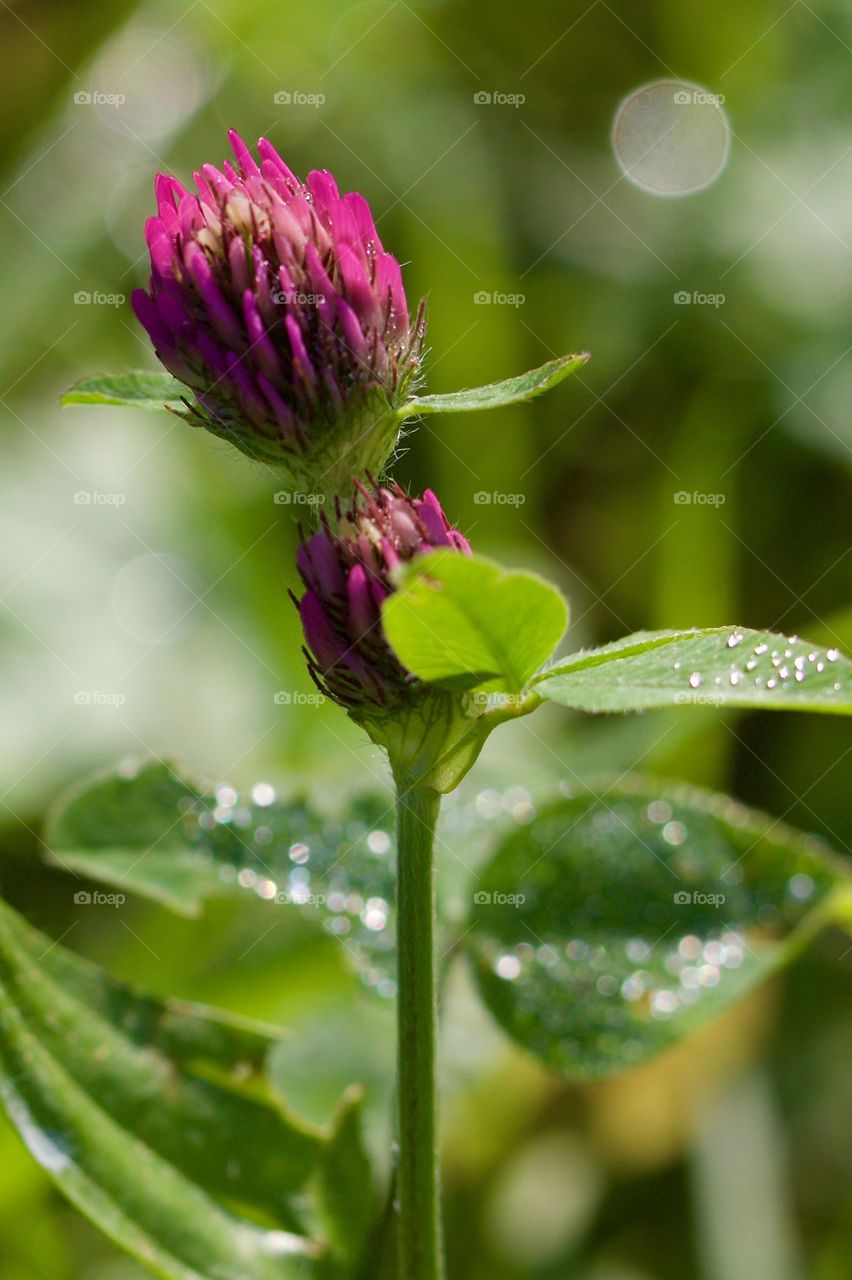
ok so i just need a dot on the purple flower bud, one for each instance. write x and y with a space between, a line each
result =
274 301
346 569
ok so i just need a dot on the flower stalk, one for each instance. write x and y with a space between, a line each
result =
420 1237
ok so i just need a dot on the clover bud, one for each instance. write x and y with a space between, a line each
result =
275 303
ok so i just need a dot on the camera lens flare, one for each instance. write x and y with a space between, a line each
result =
671 138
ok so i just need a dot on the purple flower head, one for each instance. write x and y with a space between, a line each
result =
347 571
275 303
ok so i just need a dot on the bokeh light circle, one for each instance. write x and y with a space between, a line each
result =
671 138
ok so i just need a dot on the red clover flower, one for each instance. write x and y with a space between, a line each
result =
274 301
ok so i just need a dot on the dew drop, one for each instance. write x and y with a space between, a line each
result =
663 1003
508 967
801 886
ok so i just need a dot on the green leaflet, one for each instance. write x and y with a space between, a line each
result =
497 394
627 916
717 666
465 622
140 389
156 1119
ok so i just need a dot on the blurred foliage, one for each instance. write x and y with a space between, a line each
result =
727 1158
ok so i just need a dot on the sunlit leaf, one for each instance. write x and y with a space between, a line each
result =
497 394
625 917
720 666
465 622
140 389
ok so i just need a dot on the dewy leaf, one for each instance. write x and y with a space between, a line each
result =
140 389
627 916
144 829
496 394
155 1118
719 666
465 622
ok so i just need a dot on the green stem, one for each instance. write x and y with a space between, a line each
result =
420 1237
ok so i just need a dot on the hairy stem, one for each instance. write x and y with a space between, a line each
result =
420 1236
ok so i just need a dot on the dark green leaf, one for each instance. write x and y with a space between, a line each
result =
140 389
464 622
144 829
625 917
154 1118
719 666
343 1185
496 394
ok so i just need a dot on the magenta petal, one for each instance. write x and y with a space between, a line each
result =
359 292
270 154
460 542
320 635
361 609
363 218
160 246
432 518
300 354
391 294
323 189
352 333
260 345
147 314
320 566
284 415
220 313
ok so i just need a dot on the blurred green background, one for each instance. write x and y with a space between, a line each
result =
726 1160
